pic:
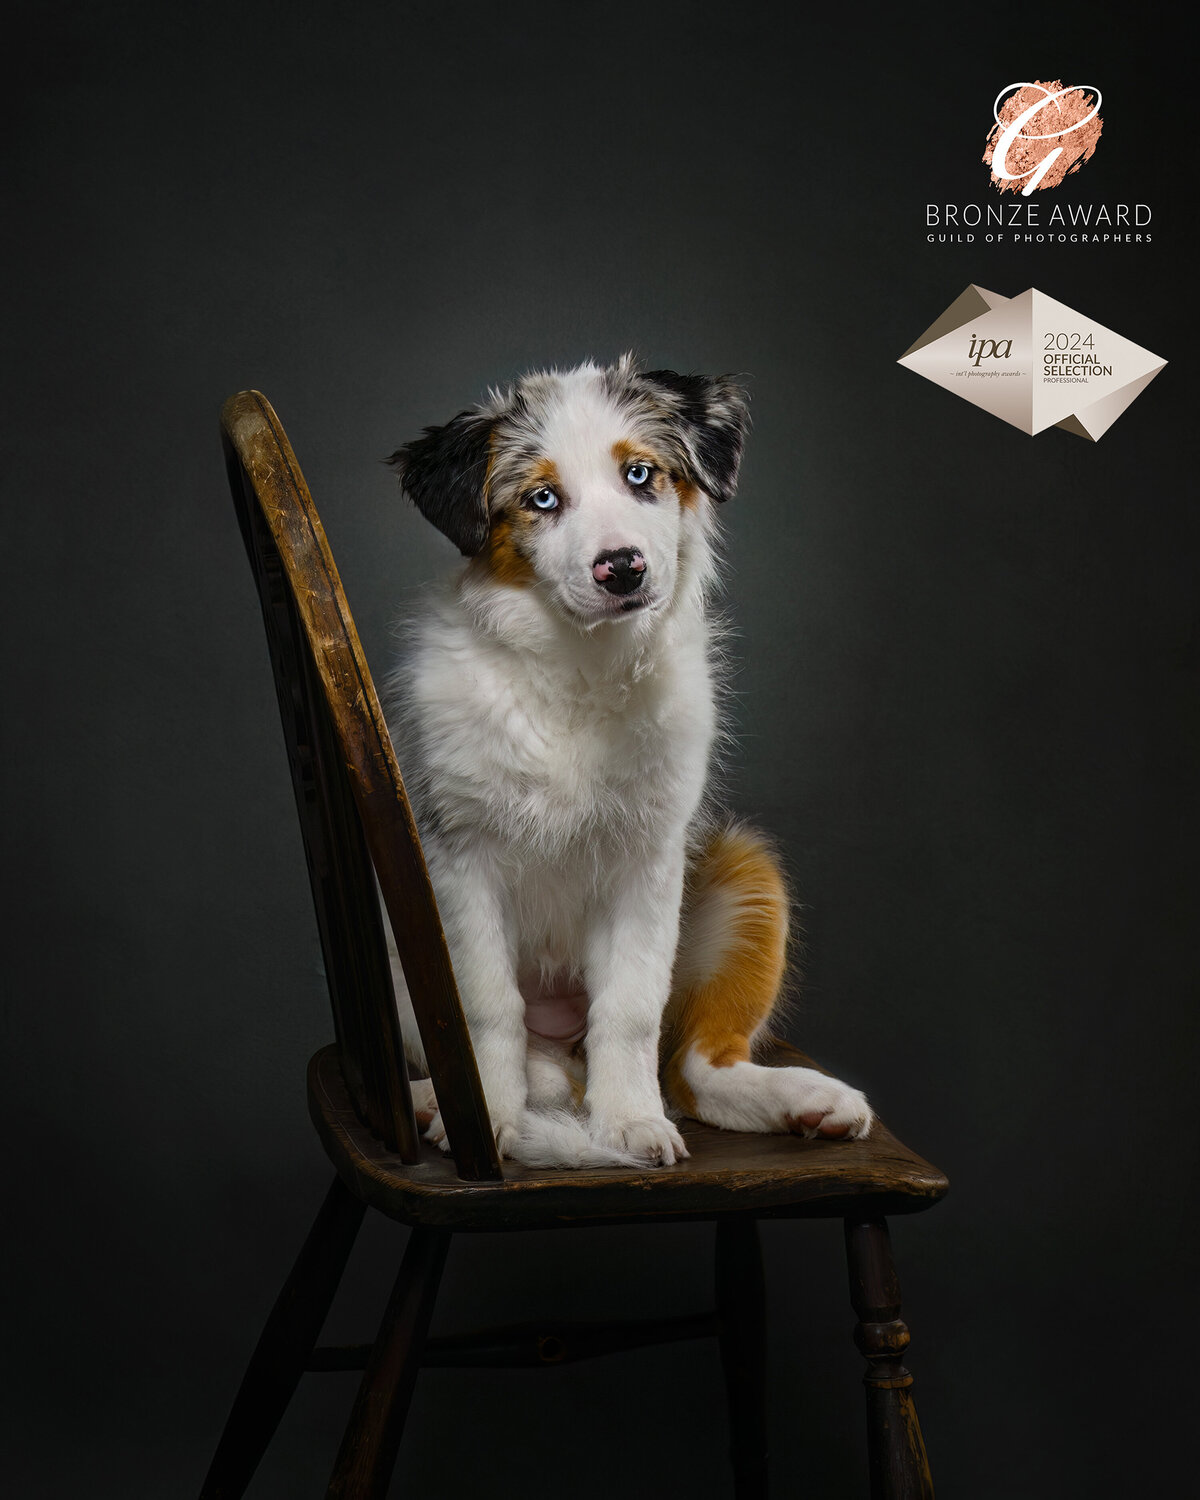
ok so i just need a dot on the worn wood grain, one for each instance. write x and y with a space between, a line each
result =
899 1465
341 751
780 1175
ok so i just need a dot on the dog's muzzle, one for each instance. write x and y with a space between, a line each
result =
620 571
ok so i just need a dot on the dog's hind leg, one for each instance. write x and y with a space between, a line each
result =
728 974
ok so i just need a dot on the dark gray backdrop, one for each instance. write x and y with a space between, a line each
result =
965 702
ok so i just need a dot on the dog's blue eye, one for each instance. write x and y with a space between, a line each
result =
544 500
637 473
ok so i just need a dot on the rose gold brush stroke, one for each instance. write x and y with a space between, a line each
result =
1024 154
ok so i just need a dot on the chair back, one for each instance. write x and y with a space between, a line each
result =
354 815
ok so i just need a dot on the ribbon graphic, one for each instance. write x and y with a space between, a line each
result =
1033 362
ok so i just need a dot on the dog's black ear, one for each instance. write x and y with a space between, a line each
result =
444 474
712 415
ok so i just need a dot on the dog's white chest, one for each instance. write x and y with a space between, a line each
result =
569 759
577 758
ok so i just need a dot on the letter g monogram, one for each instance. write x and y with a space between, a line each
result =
1013 131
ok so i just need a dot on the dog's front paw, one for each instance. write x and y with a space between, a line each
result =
507 1135
435 1133
827 1107
425 1108
653 1140
424 1100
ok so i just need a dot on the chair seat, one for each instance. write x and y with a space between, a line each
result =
780 1176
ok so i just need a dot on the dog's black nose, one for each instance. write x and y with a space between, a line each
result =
620 571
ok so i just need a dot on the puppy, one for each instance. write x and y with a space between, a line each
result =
555 717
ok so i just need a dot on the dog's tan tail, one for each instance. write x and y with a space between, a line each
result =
732 958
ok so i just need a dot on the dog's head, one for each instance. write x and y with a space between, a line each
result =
585 482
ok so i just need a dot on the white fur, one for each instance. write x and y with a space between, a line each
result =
745 1096
557 752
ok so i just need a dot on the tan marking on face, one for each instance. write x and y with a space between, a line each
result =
686 492
719 1017
544 475
626 453
502 558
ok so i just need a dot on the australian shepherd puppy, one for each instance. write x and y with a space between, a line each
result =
611 936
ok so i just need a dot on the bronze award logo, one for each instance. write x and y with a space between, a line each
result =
1042 133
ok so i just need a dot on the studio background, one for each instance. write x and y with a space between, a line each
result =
965 704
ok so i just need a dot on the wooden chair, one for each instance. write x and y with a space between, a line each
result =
357 828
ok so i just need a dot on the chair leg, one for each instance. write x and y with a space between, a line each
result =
287 1341
372 1439
899 1466
742 1335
